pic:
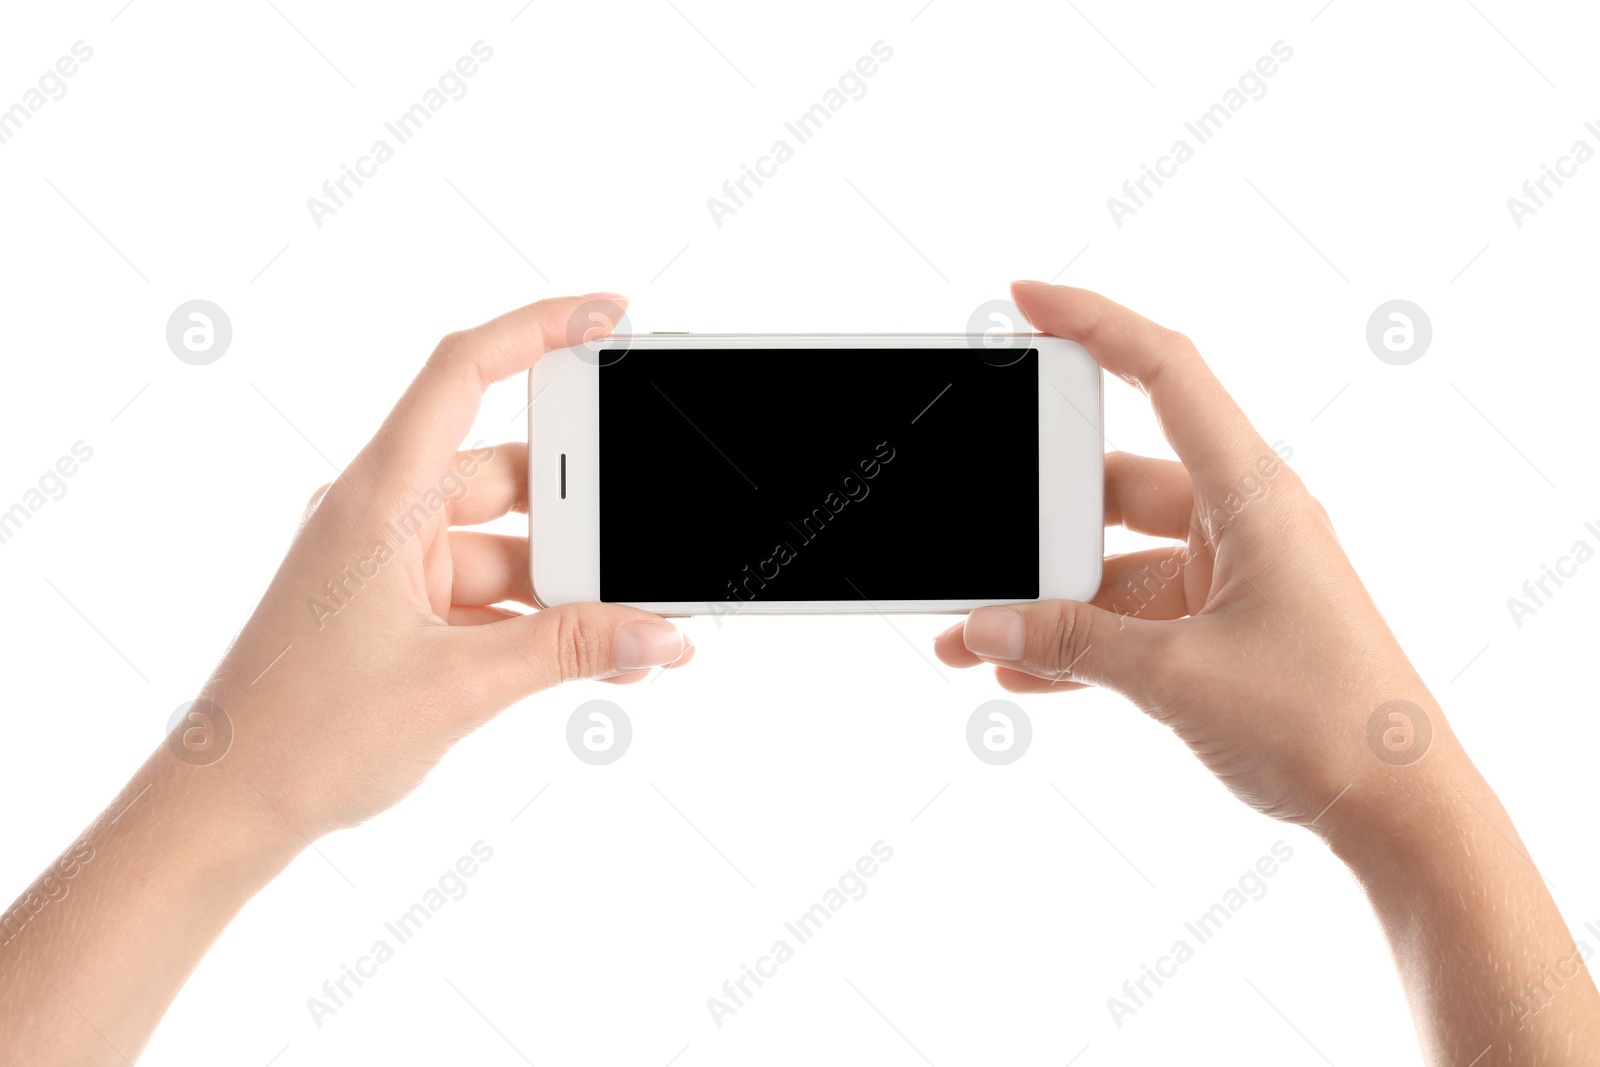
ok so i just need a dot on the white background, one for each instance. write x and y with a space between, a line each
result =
1021 897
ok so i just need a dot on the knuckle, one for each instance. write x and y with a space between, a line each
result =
1319 513
453 352
581 643
317 497
1173 348
1182 345
461 354
1065 638
448 344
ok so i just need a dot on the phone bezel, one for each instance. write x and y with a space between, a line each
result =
563 419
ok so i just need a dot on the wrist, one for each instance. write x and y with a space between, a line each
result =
1395 820
145 890
201 825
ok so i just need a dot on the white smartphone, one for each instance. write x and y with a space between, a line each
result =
779 474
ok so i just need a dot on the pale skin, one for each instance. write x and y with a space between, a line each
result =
1259 647
1255 642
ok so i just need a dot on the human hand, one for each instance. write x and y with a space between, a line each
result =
1256 643
1254 639
375 648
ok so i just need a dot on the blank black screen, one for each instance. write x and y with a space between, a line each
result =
823 474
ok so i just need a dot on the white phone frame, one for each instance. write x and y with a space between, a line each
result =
563 419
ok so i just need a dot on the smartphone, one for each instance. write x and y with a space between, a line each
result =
779 474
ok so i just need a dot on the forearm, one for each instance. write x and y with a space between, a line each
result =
92 955
1490 969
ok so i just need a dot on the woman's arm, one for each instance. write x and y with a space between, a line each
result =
374 650
97 948
1491 971
1249 634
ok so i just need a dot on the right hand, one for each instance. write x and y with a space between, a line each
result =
1254 640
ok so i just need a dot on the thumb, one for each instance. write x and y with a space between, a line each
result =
520 656
1065 640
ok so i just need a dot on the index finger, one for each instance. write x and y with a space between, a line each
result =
422 433
1205 426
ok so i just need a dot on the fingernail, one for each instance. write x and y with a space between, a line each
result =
995 633
688 647
1028 281
603 296
646 644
